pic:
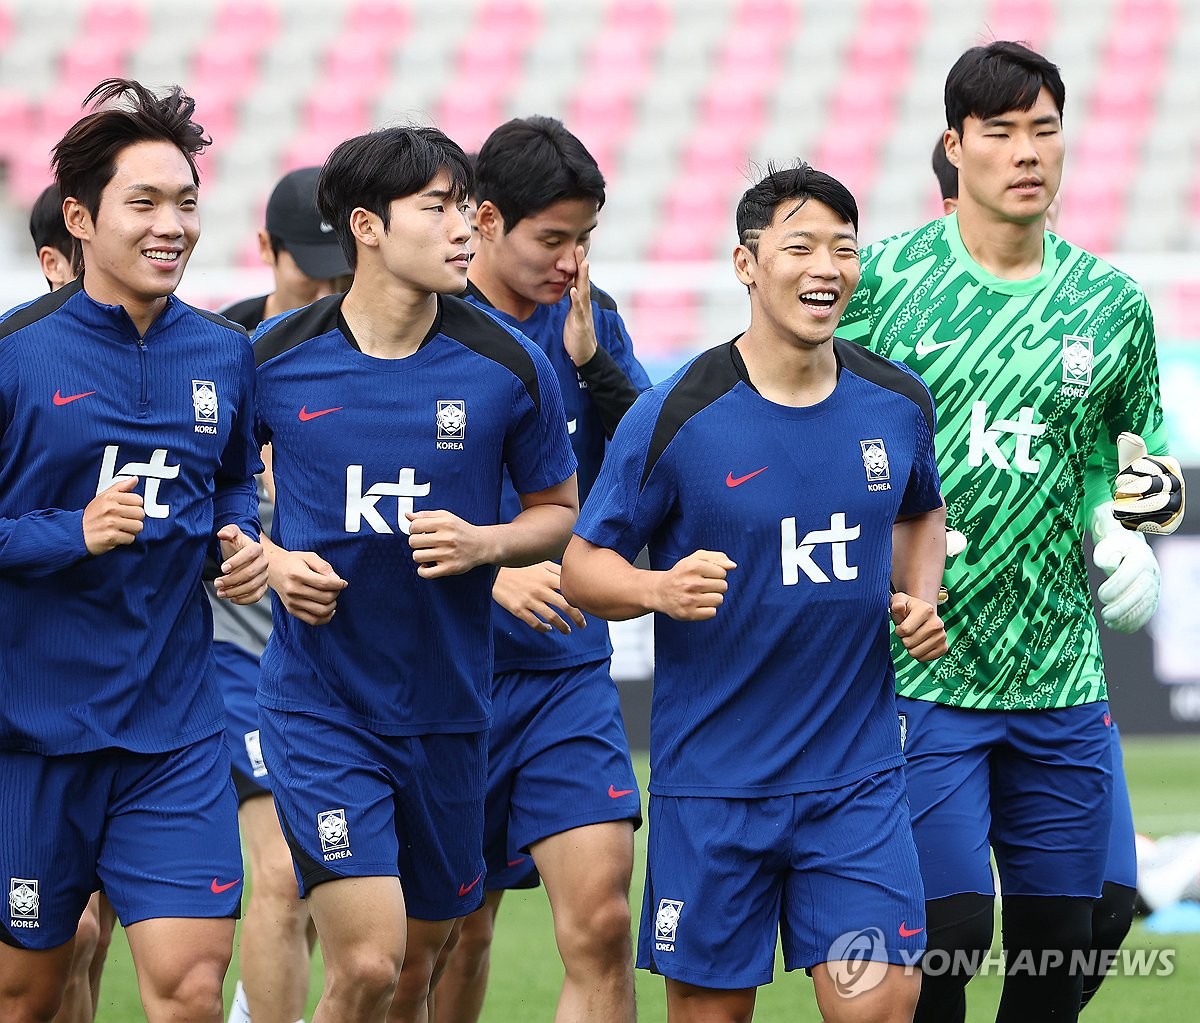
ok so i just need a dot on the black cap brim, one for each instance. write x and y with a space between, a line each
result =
321 262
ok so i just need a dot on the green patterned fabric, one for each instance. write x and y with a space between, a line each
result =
1031 379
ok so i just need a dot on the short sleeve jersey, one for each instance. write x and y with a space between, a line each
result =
357 442
790 687
113 650
1029 377
517 645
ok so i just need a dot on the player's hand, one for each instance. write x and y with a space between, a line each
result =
443 544
918 626
579 330
694 588
243 577
1129 596
533 595
1149 497
114 517
307 585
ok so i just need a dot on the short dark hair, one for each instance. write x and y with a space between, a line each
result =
759 203
374 169
945 172
530 163
47 226
988 80
85 159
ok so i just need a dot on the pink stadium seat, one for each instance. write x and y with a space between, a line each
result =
376 20
481 66
664 322
84 66
1029 20
469 115
361 73
508 20
652 17
258 19
778 17
333 110
113 25
1092 212
225 70
16 122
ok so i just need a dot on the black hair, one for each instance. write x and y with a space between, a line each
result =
47 225
373 170
987 81
759 203
85 159
945 172
530 163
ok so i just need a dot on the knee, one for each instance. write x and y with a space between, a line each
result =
370 973
275 891
960 923
1112 916
1047 922
195 991
595 928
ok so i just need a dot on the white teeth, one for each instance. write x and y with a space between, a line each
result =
163 257
820 296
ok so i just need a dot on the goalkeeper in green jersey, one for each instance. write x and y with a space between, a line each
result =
1039 356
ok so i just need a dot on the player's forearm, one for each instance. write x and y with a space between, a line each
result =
600 581
538 533
41 542
919 554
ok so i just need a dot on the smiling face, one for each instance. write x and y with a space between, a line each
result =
1010 166
145 228
804 271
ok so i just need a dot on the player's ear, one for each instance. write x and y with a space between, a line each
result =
56 268
366 227
953 143
489 221
77 218
949 206
744 264
265 252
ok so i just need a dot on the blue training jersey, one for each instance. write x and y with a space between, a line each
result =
594 396
114 650
357 442
790 688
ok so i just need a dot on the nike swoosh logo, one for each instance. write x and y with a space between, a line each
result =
59 399
463 889
617 793
737 481
217 889
925 347
304 415
517 862
907 933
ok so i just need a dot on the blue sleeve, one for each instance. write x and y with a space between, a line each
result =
235 490
615 338
924 490
622 513
537 449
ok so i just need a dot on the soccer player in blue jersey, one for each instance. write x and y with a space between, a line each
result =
393 413
561 789
277 935
780 481
126 452
1129 598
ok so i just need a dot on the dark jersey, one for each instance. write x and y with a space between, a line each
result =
249 312
595 396
790 687
113 650
356 443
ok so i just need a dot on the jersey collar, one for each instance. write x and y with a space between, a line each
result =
1030 286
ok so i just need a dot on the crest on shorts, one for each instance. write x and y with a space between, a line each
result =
452 420
204 401
331 826
903 730
666 923
23 898
1077 360
254 752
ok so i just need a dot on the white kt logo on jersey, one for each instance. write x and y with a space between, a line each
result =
797 557
153 472
985 440
360 504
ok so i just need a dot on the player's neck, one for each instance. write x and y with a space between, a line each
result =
482 273
788 372
106 291
388 322
1012 252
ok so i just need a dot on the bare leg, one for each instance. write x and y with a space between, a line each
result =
463 984
181 964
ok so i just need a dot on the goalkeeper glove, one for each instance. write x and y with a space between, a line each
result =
1129 596
1149 497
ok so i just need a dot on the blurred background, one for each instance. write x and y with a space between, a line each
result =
681 101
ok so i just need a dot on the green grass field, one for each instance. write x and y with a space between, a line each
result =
526 971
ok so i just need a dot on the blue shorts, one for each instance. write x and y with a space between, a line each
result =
157 833
356 804
724 876
1035 786
557 759
1121 867
237 678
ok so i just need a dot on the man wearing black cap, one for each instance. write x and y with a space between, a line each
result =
299 248
306 260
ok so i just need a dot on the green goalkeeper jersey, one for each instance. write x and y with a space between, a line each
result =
1030 378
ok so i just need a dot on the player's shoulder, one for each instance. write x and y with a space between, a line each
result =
490 338
217 324
289 330
888 374
603 300
1078 263
695 386
38 311
248 311
915 241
